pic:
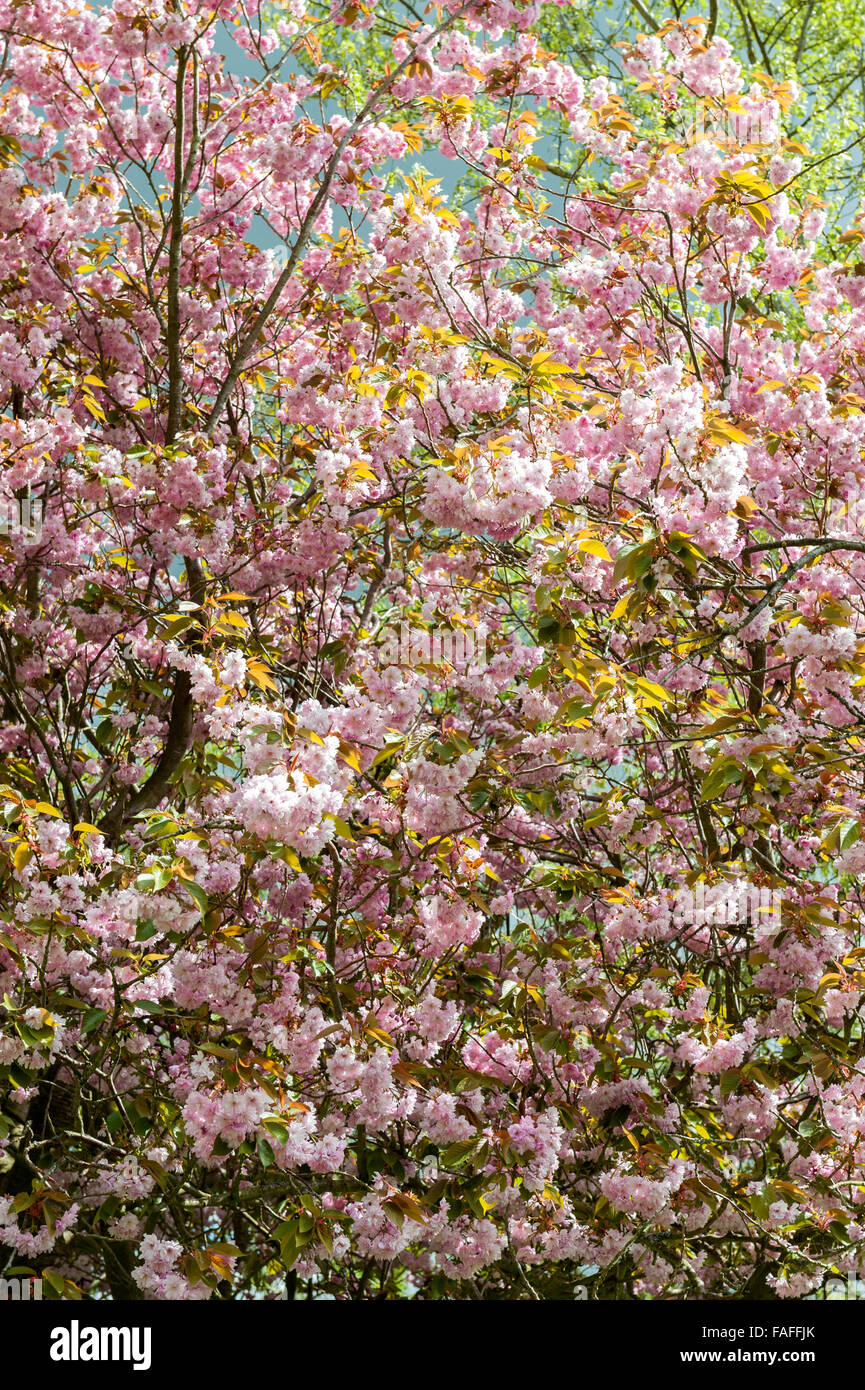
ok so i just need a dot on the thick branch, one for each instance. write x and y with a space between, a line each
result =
713 20
803 32
644 14
331 931
176 744
177 739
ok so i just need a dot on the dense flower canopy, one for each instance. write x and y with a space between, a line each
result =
431 695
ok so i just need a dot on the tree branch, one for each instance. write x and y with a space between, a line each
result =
644 14
800 46
307 226
175 365
713 20
181 718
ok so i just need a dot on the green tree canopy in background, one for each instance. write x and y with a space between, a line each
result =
818 46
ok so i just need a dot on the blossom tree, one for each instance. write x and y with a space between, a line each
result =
431 640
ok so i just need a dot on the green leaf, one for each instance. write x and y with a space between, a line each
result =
760 1204
198 895
720 776
455 1154
277 1127
92 1019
